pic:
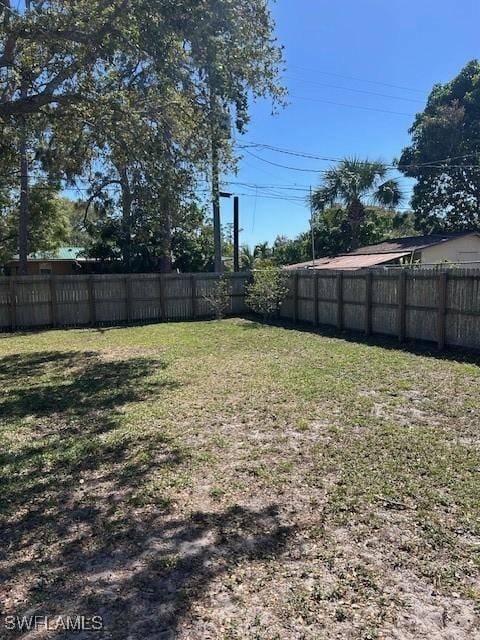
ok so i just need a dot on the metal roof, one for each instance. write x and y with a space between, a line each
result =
409 243
62 253
350 262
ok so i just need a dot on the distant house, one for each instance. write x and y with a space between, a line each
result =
63 261
433 249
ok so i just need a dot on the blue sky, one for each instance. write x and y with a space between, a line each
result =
345 52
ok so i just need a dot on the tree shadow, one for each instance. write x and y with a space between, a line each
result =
418 347
61 419
145 582
80 532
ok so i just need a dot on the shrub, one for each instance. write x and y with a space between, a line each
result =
267 292
219 298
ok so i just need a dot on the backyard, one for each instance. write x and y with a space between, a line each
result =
228 479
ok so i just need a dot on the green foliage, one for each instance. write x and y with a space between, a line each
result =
444 156
128 96
268 290
219 298
49 223
354 183
333 234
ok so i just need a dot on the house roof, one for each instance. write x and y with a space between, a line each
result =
410 243
351 261
380 253
62 253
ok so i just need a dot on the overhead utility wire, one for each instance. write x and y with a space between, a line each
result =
353 106
371 93
311 156
357 79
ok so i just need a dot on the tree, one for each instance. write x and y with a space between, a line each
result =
444 156
353 183
247 258
219 298
333 233
131 93
268 290
49 222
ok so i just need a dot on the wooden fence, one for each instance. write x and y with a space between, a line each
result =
75 301
441 306
423 304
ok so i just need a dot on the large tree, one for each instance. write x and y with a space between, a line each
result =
444 156
355 184
114 86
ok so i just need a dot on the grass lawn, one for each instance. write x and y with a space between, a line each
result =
231 480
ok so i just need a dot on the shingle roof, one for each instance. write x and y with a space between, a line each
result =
411 243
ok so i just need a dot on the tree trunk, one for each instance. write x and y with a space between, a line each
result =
165 262
23 217
356 217
127 200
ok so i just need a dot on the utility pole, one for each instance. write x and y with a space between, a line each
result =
236 232
23 151
311 228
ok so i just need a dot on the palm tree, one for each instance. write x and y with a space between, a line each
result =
262 250
355 183
247 259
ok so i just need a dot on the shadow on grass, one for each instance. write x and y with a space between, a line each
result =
423 348
61 417
80 533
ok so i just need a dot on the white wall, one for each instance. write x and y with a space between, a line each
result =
463 249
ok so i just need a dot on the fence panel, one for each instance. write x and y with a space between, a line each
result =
437 305
425 304
75 301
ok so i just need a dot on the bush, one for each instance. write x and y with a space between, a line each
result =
219 298
267 292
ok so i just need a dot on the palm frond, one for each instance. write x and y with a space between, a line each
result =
388 194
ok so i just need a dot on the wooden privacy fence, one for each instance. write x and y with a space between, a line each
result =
422 304
75 301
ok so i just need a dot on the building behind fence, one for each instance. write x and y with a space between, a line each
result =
441 306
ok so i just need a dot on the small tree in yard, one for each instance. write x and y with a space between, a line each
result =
219 298
267 292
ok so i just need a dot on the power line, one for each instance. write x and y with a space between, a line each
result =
303 154
354 106
371 93
356 79
282 166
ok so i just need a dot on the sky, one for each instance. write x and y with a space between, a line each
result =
356 73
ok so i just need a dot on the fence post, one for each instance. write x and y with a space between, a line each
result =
402 300
53 300
13 304
193 286
91 301
442 308
340 301
316 276
368 303
295 296
161 285
128 298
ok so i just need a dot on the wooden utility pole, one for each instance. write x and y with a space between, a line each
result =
23 151
312 233
236 233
